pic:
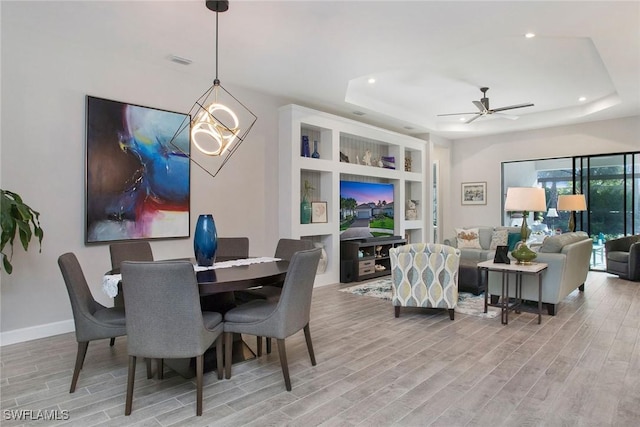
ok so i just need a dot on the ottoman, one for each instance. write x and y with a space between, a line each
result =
468 277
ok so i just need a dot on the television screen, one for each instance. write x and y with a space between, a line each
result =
366 210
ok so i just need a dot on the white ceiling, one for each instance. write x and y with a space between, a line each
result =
427 57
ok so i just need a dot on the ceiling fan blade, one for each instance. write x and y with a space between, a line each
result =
454 114
480 106
473 118
507 116
511 107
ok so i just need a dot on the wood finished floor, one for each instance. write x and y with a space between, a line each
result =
579 368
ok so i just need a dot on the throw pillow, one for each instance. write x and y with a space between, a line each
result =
499 238
468 238
512 240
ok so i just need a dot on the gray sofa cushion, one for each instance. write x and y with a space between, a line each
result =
554 244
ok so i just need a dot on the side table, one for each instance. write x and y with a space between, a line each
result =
519 270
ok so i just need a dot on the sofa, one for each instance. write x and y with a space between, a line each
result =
478 243
568 257
623 257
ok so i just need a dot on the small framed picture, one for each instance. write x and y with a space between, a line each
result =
318 212
474 193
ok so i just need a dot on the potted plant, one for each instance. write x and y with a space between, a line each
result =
305 205
17 218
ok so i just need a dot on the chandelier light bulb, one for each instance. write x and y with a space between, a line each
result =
209 135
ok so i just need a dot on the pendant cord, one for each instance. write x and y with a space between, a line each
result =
216 45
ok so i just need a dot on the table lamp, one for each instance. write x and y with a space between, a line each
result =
573 203
525 200
553 214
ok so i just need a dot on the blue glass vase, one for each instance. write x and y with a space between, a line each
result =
205 240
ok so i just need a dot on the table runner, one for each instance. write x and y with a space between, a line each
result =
110 281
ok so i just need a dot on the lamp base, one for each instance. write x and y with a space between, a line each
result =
523 254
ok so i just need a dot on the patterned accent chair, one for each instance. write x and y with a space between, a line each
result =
425 275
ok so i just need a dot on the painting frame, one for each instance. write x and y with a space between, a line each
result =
137 172
319 212
474 193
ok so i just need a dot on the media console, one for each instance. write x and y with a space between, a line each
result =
367 258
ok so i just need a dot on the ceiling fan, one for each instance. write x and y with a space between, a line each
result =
484 110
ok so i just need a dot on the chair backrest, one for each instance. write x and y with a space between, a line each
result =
82 302
232 248
164 317
287 247
294 306
130 251
442 260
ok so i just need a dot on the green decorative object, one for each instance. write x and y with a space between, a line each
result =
523 254
17 218
305 205
305 212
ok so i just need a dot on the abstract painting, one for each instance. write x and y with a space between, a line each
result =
137 184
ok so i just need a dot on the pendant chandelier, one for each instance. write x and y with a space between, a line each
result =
218 121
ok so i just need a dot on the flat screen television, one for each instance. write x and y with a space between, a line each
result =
366 210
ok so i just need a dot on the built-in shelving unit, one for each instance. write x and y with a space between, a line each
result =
339 139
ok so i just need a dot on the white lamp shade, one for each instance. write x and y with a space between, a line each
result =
572 202
552 213
530 199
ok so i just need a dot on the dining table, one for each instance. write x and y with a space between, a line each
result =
224 276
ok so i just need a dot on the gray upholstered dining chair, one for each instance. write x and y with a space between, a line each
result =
232 248
284 250
136 250
92 320
165 321
278 318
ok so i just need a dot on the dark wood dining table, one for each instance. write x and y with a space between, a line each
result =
230 279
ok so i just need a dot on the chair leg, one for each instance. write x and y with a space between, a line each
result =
112 341
147 361
283 363
160 368
307 337
397 310
199 369
219 354
82 352
268 345
451 313
259 345
228 344
130 378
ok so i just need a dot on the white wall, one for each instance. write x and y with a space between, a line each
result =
44 84
479 159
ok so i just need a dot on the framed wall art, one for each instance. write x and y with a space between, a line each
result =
137 184
474 193
318 212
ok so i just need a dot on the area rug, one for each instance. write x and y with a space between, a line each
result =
468 303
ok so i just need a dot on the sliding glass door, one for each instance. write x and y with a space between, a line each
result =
610 183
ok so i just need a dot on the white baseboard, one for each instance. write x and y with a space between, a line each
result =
36 332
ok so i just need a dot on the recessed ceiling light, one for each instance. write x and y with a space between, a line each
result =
371 80
409 127
582 98
462 119
358 113
530 35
